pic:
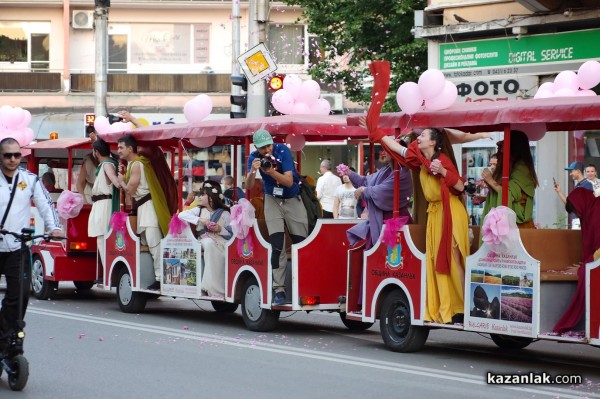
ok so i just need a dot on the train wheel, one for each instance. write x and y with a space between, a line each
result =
42 288
224 307
83 285
397 332
255 317
129 301
509 342
354 325
18 379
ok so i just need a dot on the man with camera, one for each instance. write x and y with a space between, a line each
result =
283 205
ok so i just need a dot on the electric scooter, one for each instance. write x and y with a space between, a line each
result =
12 360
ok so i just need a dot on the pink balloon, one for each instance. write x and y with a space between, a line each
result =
203 142
547 86
282 101
566 80
585 93
26 119
102 125
564 92
295 142
431 83
23 136
300 109
534 131
5 111
27 135
198 108
293 85
409 97
588 75
543 93
321 107
445 99
120 127
310 92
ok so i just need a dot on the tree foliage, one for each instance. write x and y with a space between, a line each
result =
354 32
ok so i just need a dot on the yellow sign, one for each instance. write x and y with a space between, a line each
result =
257 63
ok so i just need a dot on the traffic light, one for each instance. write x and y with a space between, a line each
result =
239 100
275 84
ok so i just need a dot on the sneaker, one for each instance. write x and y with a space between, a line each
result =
279 299
155 286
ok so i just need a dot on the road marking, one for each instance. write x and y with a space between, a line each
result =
403 368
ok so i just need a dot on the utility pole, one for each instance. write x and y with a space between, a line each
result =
235 89
101 26
258 12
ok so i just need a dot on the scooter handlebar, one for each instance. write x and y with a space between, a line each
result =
27 235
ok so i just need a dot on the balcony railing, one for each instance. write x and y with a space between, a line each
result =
118 83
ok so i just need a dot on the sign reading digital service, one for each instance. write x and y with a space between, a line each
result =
502 292
529 54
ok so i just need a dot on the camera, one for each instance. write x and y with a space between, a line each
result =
471 188
267 162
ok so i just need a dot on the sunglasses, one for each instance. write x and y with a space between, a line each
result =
9 155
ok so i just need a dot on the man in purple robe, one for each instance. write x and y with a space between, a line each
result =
377 190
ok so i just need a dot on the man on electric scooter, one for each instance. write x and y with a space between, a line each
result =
18 187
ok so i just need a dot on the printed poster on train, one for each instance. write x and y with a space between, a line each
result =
181 265
502 292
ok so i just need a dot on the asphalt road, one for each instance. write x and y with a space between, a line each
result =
82 346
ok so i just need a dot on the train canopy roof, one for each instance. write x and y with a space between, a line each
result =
235 131
558 113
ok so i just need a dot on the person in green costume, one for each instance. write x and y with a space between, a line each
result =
521 184
150 203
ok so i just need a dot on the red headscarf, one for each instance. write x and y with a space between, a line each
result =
413 159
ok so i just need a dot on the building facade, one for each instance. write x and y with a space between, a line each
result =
161 53
498 50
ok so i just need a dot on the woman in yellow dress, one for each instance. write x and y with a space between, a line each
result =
447 241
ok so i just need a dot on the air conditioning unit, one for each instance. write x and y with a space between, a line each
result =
336 100
83 19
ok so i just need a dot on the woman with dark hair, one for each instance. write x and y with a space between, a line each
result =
521 184
212 220
447 243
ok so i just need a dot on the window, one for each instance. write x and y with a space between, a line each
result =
40 51
26 42
315 52
13 43
286 44
117 53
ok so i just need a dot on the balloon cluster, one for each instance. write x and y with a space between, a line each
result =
571 84
432 93
14 122
198 108
102 125
300 98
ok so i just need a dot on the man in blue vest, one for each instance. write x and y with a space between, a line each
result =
283 205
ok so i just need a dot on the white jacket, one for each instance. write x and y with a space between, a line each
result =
29 188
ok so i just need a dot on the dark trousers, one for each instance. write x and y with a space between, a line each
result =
327 215
10 268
